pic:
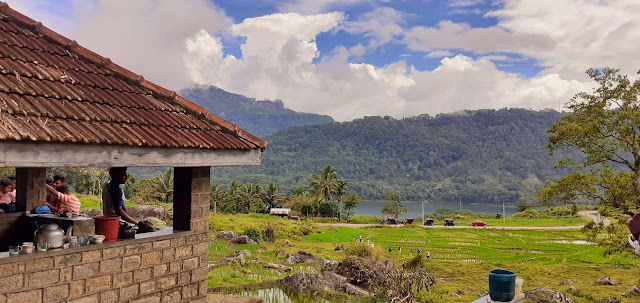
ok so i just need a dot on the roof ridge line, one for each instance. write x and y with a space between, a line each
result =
127 74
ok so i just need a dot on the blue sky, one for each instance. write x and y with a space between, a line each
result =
354 58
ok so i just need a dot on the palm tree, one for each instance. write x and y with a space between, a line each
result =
272 197
161 186
326 184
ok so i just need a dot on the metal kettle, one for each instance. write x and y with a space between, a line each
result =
49 233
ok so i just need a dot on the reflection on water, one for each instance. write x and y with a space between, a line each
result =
275 295
414 209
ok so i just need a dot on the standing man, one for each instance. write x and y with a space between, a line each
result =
113 199
428 255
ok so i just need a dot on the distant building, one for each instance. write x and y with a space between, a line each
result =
280 211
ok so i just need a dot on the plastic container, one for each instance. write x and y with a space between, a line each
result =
518 287
502 285
108 227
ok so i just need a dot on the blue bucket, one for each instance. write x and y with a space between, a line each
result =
502 285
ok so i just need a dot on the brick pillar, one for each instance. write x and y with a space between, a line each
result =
30 189
191 198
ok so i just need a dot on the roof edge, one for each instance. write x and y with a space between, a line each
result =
127 74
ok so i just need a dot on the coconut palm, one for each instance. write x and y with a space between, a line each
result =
272 197
326 184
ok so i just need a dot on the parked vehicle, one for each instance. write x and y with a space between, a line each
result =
410 221
388 221
478 223
448 222
428 222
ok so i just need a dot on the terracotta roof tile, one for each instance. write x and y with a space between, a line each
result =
54 90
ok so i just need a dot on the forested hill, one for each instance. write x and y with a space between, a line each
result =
261 118
484 156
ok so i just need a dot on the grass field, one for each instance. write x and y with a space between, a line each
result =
93 202
460 258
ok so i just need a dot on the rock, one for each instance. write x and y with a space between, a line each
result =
632 292
278 267
287 243
548 295
244 239
330 265
227 235
144 211
571 288
237 256
607 300
339 247
314 284
388 264
605 281
482 294
455 295
301 257
468 288
568 282
281 253
91 213
355 290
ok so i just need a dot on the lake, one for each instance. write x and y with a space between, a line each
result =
414 209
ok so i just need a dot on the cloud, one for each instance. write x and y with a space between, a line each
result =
310 7
439 54
380 25
464 3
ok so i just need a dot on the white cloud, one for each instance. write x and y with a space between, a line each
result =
310 7
440 54
464 3
379 25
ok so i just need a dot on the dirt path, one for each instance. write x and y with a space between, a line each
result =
592 214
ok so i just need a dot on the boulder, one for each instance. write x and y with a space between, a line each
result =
287 243
278 267
301 257
607 300
571 289
227 235
339 247
144 211
305 283
605 281
244 239
548 295
91 213
281 253
356 290
632 292
237 256
568 282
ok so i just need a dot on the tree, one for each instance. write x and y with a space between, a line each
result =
159 188
272 196
394 207
326 184
350 204
605 126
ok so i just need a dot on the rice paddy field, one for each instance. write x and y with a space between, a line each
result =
460 259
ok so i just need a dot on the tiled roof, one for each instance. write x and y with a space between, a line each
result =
54 90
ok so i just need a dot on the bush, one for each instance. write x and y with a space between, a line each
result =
253 234
357 249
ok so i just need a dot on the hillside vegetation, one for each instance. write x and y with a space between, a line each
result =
484 156
261 118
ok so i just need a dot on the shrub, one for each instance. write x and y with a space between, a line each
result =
357 249
253 234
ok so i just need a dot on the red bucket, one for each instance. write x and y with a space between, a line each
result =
108 227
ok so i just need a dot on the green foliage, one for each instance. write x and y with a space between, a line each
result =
261 118
159 188
394 206
357 249
253 234
522 205
350 204
257 206
613 237
603 125
486 156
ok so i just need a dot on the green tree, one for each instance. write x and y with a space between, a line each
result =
605 126
272 196
326 184
350 204
394 207
159 188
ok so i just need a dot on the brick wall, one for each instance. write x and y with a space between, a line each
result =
170 268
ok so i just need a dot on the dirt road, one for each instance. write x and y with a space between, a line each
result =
592 214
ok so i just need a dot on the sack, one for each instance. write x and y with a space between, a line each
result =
150 224
126 231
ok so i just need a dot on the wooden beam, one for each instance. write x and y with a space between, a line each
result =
39 154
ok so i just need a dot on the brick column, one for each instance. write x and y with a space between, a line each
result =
30 189
191 198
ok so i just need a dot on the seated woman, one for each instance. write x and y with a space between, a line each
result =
61 201
6 204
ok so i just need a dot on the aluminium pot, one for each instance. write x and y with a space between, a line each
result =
49 233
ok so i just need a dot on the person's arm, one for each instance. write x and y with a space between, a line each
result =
54 197
124 216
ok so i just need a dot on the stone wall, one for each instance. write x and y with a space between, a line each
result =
169 268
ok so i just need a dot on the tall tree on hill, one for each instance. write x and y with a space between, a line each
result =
605 126
394 207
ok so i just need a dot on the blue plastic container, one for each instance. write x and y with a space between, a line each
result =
502 285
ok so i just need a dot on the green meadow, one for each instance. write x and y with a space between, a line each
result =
460 258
